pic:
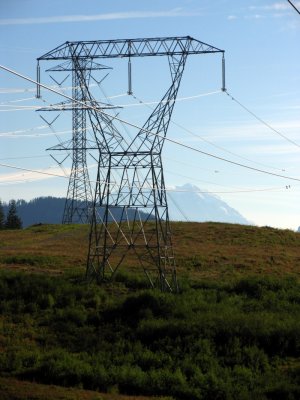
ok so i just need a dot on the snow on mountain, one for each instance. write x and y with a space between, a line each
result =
186 204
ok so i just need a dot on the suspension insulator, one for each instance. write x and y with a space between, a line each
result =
38 79
129 78
223 75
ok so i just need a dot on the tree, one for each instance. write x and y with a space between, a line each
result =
12 220
1 216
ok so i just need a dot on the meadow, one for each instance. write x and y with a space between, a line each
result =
233 331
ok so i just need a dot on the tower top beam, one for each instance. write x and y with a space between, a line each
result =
146 47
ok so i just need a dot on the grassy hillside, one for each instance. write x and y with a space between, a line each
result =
232 333
203 250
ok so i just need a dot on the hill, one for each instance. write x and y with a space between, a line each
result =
185 203
233 331
49 210
203 249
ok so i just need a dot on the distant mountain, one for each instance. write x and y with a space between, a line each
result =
46 210
49 210
186 204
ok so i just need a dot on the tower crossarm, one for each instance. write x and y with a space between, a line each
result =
146 47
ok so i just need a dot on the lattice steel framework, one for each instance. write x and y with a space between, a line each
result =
79 195
130 180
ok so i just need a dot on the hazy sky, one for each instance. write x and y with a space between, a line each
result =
261 40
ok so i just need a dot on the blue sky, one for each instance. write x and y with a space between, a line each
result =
261 41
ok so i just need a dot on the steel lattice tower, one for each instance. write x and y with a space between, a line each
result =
79 195
130 181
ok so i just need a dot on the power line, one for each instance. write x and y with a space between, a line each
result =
141 102
142 187
62 107
23 130
19 109
98 109
67 106
178 99
17 101
58 139
16 134
32 170
293 5
201 181
170 172
192 165
226 160
261 120
32 90
211 143
23 158
36 135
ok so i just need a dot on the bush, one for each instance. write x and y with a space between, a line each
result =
212 341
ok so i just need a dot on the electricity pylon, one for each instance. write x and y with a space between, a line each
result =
79 194
130 210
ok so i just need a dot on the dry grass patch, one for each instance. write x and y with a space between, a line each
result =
13 389
202 250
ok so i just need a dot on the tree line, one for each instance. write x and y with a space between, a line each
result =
12 220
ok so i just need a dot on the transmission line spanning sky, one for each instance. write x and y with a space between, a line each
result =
197 150
259 77
294 6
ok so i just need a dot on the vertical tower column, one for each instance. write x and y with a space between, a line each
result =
79 194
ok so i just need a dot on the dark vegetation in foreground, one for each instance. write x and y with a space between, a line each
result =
212 341
232 333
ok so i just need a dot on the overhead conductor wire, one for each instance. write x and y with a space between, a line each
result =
208 141
293 5
261 120
114 184
200 137
153 133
